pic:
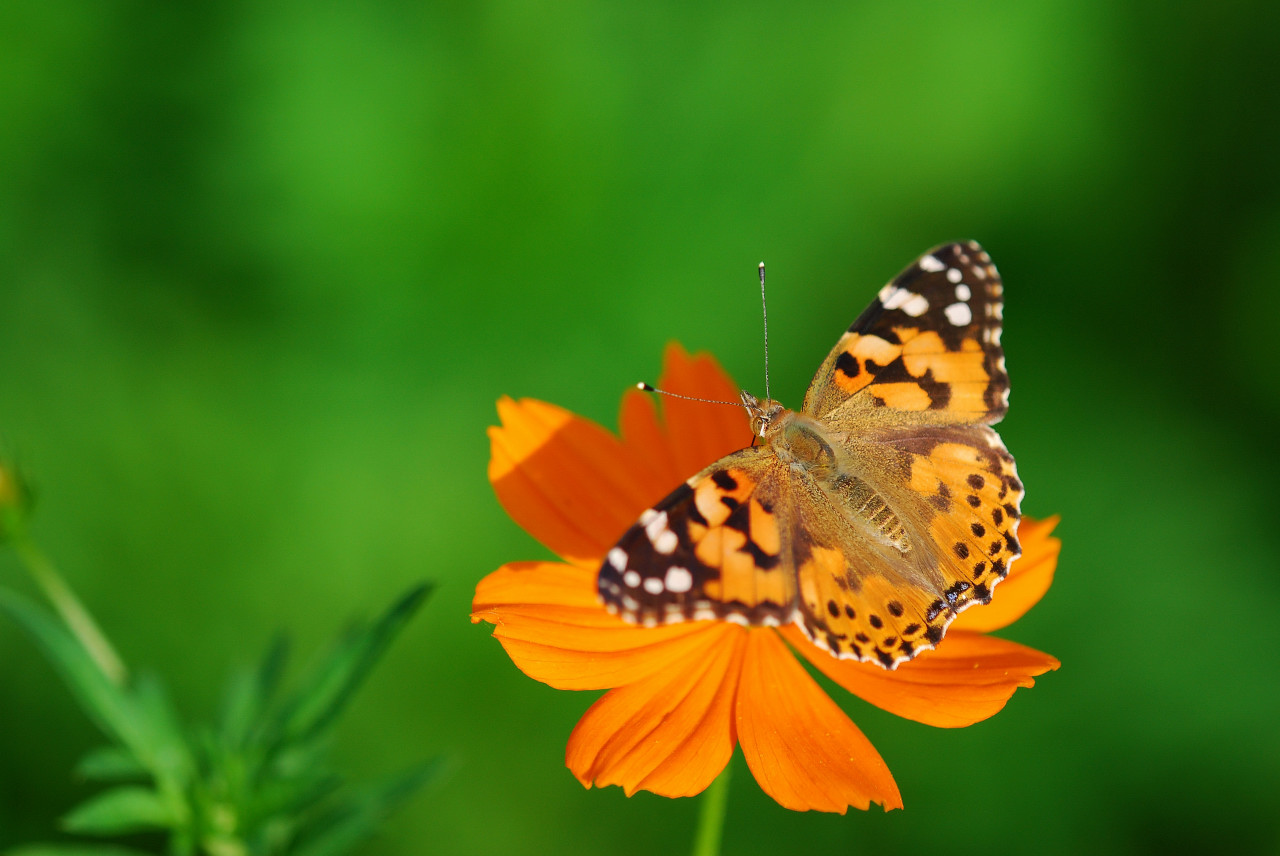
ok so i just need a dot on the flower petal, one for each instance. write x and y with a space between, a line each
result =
553 583
567 481
803 750
645 437
966 679
700 433
548 619
1029 578
671 733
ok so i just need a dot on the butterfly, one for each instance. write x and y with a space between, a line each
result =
873 515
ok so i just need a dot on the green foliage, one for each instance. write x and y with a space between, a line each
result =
256 783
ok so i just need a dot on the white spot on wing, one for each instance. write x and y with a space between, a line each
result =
962 292
959 314
896 298
660 534
916 306
931 264
954 274
653 585
631 579
666 542
618 559
679 579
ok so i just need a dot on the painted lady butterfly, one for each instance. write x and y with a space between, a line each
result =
873 515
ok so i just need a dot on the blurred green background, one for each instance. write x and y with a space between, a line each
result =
264 269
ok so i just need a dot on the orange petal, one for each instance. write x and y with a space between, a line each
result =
670 734
802 749
966 679
700 433
566 480
537 582
644 436
548 619
1029 578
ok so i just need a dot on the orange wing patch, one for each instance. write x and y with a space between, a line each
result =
858 358
740 539
865 616
973 487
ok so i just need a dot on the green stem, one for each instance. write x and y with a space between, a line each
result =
78 619
706 841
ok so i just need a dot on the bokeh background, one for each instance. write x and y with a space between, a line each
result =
264 269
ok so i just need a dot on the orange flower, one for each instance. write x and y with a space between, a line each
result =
681 696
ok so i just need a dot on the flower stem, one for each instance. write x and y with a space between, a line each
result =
706 841
77 618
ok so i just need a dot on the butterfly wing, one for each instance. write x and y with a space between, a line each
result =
907 396
928 345
711 549
920 526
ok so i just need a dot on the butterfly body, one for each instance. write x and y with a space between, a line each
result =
871 516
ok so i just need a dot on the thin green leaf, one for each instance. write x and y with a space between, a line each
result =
104 702
74 849
171 756
328 689
110 764
249 692
118 811
358 817
288 799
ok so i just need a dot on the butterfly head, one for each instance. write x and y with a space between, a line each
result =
764 414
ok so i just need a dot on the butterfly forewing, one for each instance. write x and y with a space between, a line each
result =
710 549
929 344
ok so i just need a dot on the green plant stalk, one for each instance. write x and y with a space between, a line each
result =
64 600
706 840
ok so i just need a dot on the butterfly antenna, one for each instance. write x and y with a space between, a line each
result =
645 387
764 310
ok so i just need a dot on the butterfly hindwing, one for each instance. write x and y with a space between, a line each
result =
711 549
954 515
929 344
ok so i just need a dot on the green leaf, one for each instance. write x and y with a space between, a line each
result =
358 817
171 759
293 797
118 811
330 686
110 764
104 702
249 692
74 849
